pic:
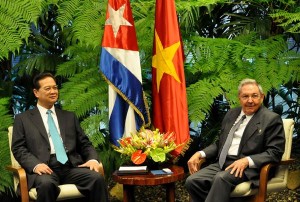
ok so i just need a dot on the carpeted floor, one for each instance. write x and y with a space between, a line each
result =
157 194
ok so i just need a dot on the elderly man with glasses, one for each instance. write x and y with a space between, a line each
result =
250 136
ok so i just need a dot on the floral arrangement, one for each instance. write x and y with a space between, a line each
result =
147 144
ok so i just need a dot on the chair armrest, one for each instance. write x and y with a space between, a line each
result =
20 173
264 177
286 162
101 169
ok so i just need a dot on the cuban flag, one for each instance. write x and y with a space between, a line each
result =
121 68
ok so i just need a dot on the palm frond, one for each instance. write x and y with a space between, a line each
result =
5 121
222 63
15 18
291 21
92 126
80 58
86 19
144 13
200 98
84 91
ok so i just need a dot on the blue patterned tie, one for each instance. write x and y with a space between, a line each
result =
61 155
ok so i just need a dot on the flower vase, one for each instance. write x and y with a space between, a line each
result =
152 165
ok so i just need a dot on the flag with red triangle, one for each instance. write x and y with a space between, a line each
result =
120 66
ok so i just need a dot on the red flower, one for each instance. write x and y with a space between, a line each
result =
125 141
138 157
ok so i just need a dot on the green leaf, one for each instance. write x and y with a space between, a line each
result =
158 155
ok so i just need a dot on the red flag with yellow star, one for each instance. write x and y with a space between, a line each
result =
170 112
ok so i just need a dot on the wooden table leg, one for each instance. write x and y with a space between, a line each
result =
128 193
170 192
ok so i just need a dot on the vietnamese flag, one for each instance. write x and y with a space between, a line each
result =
170 112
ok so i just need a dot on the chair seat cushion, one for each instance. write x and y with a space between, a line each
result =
67 191
243 189
276 184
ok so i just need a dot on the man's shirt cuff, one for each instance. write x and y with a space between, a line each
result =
251 162
203 155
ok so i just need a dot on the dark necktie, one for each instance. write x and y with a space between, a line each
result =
61 155
228 141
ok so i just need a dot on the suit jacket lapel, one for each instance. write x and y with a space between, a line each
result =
250 130
231 119
38 122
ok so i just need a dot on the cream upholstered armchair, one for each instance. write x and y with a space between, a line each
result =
68 191
276 183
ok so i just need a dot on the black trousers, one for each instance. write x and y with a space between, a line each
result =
212 184
90 183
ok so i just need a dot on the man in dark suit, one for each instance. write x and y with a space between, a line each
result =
258 140
35 150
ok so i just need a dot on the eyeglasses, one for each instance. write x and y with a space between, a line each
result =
253 97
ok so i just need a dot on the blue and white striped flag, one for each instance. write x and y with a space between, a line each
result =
120 66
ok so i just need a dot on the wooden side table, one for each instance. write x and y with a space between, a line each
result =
129 181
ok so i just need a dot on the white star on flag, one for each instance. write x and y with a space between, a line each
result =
116 19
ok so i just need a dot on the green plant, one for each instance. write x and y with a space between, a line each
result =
5 121
268 61
110 158
147 144
290 21
15 19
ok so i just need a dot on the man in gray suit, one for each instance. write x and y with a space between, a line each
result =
256 140
34 148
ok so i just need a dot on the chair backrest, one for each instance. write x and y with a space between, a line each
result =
288 125
280 178
14 162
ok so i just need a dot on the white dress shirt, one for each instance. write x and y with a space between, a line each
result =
44 115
